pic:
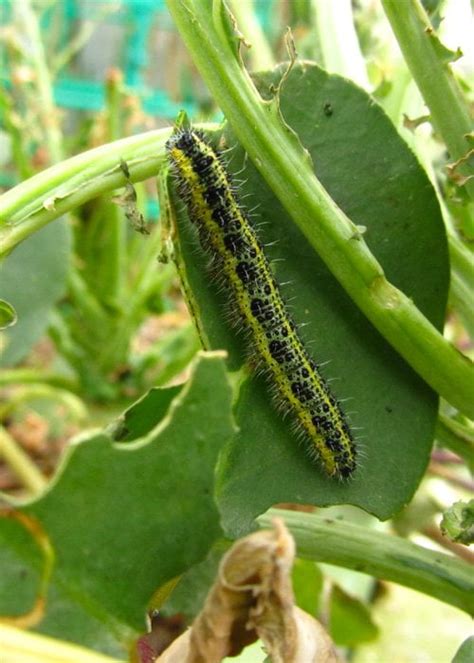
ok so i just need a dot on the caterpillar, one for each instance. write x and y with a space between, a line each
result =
227 236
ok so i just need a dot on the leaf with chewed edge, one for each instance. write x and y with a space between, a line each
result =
124 518
374 177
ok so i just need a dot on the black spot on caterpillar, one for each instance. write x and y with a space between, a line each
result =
238 259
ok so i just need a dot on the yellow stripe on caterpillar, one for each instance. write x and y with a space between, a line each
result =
228 237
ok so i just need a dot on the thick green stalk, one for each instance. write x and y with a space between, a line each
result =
384 556
36 202
421 50
281 160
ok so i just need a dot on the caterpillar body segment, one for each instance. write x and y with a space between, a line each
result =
228 237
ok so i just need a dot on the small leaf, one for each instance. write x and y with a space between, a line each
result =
444 53
8 316
458 522
307 585
350 620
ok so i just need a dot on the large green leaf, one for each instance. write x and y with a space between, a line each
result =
122 519
32 279
374 177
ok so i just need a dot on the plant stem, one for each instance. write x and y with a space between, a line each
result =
20 463
385 556
113 252
458 438
36 202
278 155
84 299
45 391
462 280
338 40
260 53
442 95
45 104
18 376
11 123
19 644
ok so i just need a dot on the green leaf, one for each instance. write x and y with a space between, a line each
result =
307 585
191 591
444 53
145 414
32 279
8 316
374 177
465 653
458 522
350 620
122 519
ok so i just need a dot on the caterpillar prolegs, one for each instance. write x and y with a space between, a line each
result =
227 235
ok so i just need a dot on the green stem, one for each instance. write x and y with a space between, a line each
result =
60 332
404 98
260 53
13 126
277 154
21 463
84 299
462 280
36 202
147 279
45 104
338 40
442 95
457 437
45 391
113 253
384 556
18 376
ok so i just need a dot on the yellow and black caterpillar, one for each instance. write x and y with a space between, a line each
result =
227 236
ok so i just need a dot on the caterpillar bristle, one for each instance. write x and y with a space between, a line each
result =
240 266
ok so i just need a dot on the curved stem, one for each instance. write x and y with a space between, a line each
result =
21 463
36 202
72 402
382 555
17 376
